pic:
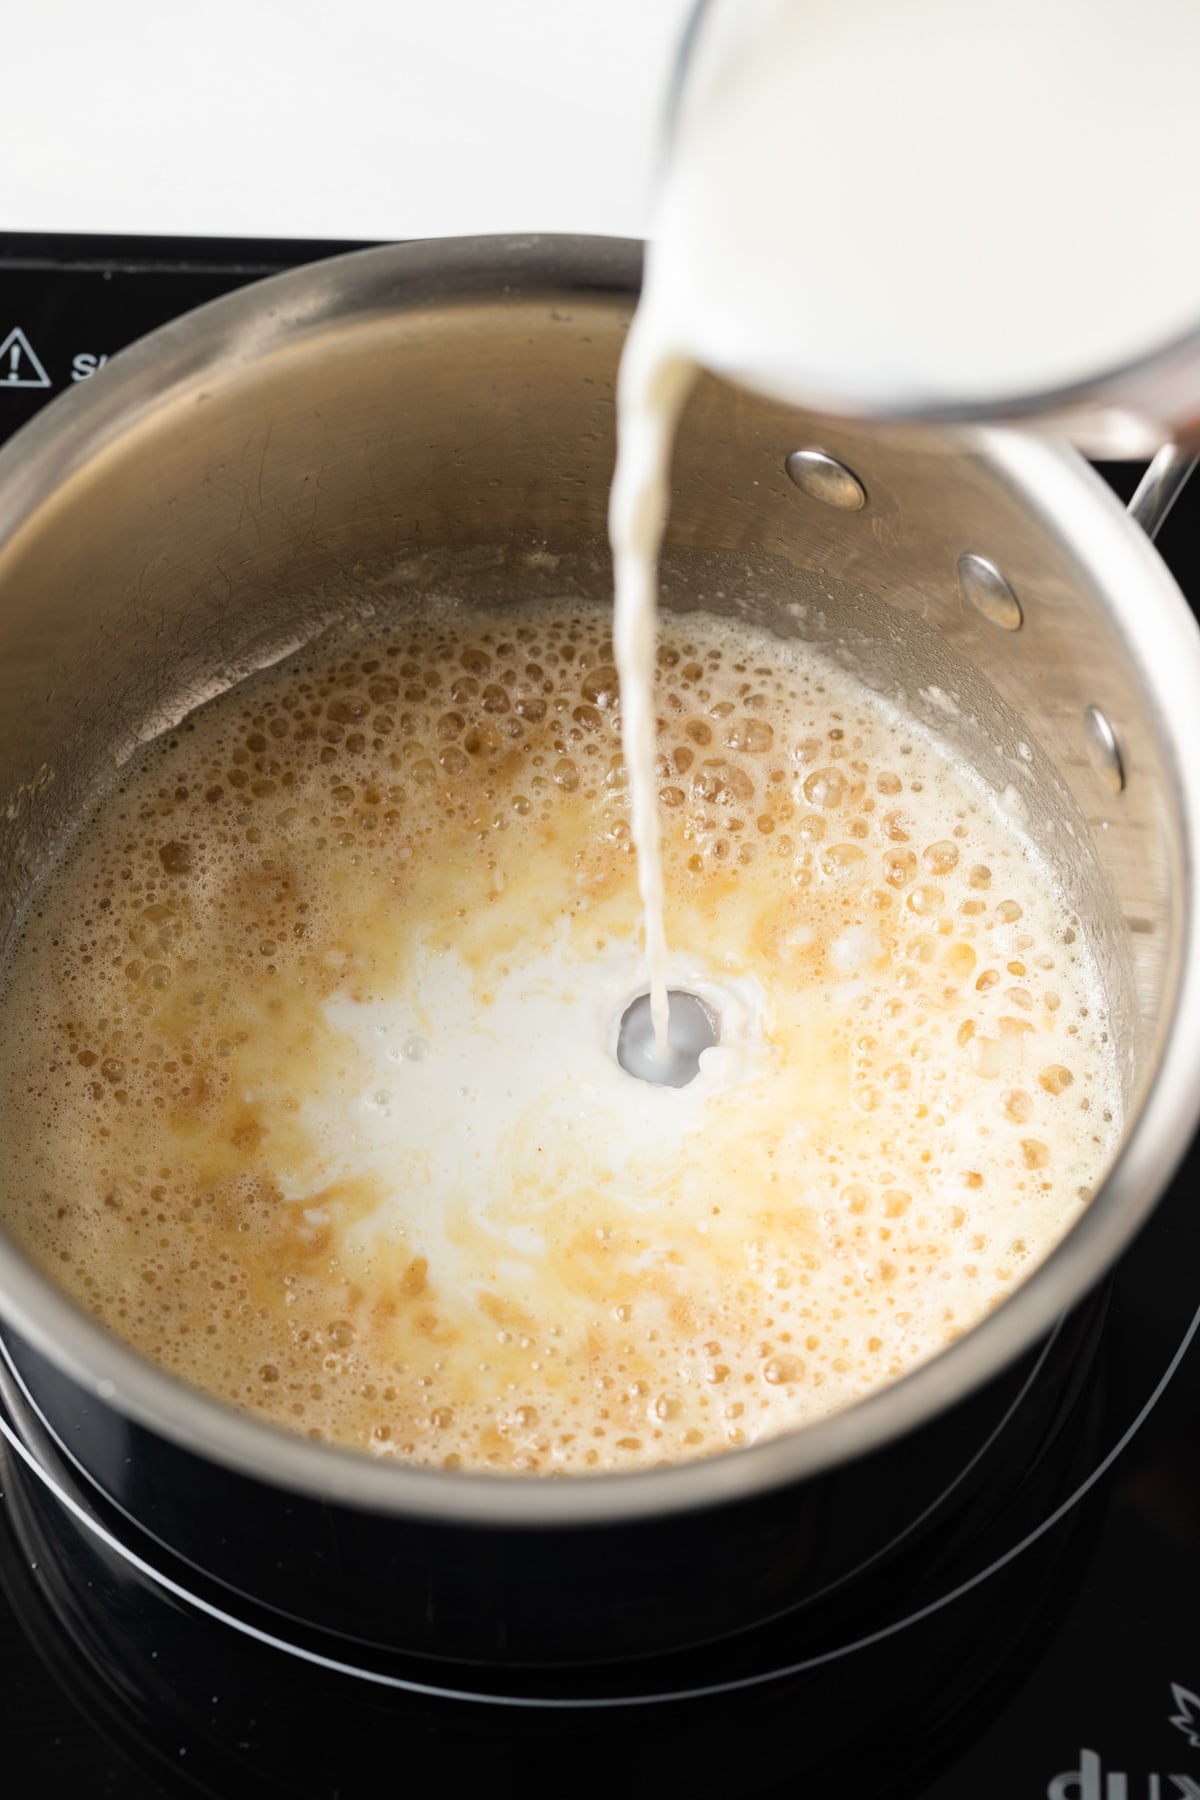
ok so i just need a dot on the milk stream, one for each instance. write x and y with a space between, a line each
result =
650 395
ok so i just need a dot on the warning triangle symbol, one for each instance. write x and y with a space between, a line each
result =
19 363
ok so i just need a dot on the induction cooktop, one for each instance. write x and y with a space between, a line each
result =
1062 1663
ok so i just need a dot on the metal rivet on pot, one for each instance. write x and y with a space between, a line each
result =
1104 748
823 478
984 588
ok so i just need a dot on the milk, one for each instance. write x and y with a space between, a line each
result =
878 207
650 395
886 208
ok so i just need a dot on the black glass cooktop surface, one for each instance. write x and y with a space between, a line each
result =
1062 1662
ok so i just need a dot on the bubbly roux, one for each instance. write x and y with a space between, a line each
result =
308 1051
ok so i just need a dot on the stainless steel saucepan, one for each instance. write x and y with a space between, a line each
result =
216 497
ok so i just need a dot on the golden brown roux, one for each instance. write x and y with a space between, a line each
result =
931 1100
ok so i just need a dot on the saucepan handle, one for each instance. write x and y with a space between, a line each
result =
1161 486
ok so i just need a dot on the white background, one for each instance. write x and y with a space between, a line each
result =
338 119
